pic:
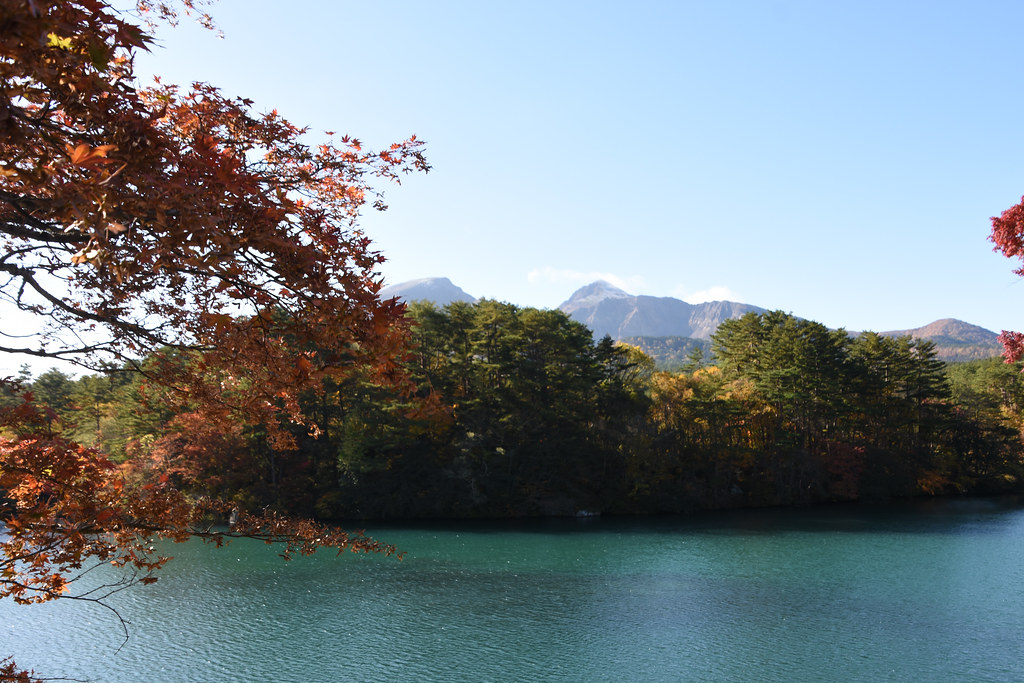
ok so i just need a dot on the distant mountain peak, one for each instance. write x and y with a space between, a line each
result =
429 281
439 290
606 309
955 340
594 292
949 327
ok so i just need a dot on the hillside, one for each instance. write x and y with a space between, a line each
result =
955 340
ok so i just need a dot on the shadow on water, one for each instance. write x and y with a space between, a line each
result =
921 516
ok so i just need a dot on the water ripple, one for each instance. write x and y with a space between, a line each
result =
789 595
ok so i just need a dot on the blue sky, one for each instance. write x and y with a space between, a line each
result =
836 160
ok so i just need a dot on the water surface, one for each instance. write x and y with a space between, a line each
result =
927 592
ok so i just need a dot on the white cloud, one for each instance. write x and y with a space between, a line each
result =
555 275
716 293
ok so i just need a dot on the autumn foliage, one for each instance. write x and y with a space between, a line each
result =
179 226
135 219
1008 235
66 506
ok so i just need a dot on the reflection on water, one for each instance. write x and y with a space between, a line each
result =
929 591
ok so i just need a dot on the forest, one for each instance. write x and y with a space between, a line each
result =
201 258
520 412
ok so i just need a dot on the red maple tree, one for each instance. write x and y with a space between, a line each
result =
182 234
1008 235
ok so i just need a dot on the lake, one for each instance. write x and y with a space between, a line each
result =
926 591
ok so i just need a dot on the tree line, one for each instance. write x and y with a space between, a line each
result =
519 411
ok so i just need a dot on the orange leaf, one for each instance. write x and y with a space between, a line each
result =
86 156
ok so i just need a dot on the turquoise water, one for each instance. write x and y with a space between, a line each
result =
922 592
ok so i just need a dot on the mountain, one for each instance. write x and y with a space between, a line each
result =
667 329
605 309
440 290
593 294
955 340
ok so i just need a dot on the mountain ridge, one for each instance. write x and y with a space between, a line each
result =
955 340
609 310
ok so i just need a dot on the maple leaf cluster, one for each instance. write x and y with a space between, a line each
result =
1008 235
182 234
9 672
65 505
138 219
